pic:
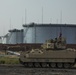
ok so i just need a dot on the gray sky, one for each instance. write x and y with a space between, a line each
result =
14 10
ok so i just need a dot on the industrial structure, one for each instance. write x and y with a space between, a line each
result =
38 33
14 36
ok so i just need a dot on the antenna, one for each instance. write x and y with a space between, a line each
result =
51 20
35 33
42 15
61 17
60 23
10 23
25 15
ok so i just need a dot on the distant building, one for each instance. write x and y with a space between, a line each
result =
38 33
14 36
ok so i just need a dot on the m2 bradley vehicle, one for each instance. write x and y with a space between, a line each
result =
52 54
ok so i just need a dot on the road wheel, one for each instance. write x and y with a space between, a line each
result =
44 65
25 64
30 64
67 65
36 65
60 65
53 65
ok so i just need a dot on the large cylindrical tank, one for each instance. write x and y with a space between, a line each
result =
15 36
38 33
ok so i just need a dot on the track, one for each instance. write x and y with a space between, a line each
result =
21 70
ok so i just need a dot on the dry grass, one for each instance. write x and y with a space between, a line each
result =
9 60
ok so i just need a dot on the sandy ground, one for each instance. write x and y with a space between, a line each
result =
21 70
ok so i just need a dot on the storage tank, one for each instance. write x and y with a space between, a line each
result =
0 39
15 36
38 33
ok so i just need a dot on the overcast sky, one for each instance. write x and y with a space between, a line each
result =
12 12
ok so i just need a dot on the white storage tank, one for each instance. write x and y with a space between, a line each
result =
15 36
38 33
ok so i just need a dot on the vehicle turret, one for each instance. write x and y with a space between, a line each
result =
57 43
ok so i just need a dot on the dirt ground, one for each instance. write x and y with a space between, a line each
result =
21 70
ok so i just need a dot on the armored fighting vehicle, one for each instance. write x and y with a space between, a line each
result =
53 53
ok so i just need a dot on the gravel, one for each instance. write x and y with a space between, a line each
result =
21 70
